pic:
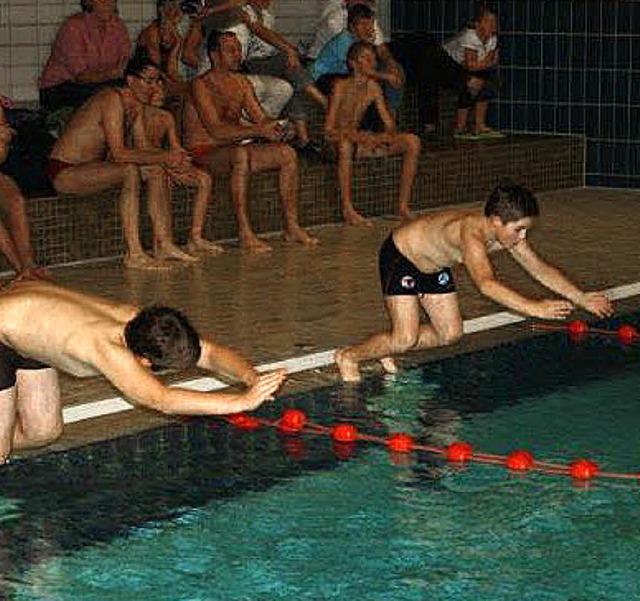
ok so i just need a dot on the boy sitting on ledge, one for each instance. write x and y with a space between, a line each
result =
351 97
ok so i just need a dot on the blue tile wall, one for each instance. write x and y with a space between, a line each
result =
567 67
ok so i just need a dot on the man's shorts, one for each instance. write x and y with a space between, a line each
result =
400 277
10 363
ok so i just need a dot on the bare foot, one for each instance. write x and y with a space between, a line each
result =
348 368
354 218
201 245
144 261
389 365
254 245
298 234
171 251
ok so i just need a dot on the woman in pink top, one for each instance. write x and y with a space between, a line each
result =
90 52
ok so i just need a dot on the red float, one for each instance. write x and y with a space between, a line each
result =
292 421
244 421
400 443
578 328
459 452
626 334
583 469
519 461
344 433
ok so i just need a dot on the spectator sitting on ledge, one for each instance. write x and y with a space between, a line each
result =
90 52
467 64
15 243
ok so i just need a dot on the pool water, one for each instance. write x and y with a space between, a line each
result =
201 511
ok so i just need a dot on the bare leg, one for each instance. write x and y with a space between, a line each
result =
200 205
239 185
316 95
349 213
39 414
160 213
96 177
16 243
461 119
406 333
289 197
481 115
7 422
411 148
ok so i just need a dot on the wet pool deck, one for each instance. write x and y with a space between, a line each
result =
299 301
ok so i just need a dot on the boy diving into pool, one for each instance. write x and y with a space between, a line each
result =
415 272
44 328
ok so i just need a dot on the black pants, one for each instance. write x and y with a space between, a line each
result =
438 71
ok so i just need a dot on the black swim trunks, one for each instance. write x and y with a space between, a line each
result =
400 277
10 363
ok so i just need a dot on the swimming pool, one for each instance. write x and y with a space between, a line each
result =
202 511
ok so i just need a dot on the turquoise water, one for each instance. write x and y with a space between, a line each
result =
202 512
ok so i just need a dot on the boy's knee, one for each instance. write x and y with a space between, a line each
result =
450 336
475 84
39 435
403 342
413 143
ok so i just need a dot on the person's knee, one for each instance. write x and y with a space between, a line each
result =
345 147
287 155
204 180
43 433
475 85
412 143
240 160
404 341
450 336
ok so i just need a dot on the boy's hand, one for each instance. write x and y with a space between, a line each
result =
598 304
264 388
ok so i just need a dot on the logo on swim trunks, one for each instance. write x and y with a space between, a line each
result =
408 282
443 279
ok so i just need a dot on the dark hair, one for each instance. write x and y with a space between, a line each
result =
357 12
86 6
214 38
481 11
355 50
139 62
164 336
511 202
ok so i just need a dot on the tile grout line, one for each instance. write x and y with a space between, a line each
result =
113 405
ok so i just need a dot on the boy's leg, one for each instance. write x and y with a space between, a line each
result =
404 312
203 182
265 157
445 322
159 192
346 152
7 421
39 413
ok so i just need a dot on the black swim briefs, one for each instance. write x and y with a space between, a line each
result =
400 277
10 363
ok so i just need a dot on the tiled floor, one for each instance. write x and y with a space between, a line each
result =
299 301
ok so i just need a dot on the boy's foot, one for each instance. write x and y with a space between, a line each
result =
201 245
300 235
348 368
484 131
255 246
354 218
173 252
389 365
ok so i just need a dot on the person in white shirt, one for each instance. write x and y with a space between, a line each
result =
467 64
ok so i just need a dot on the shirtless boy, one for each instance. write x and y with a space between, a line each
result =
90 336
350 99
222 141
15 242
415 273
96 152
156 129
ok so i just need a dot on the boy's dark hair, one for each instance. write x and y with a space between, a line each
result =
214 38
355 50
86 6
511 202
481 11
138 63
357 12
164 336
